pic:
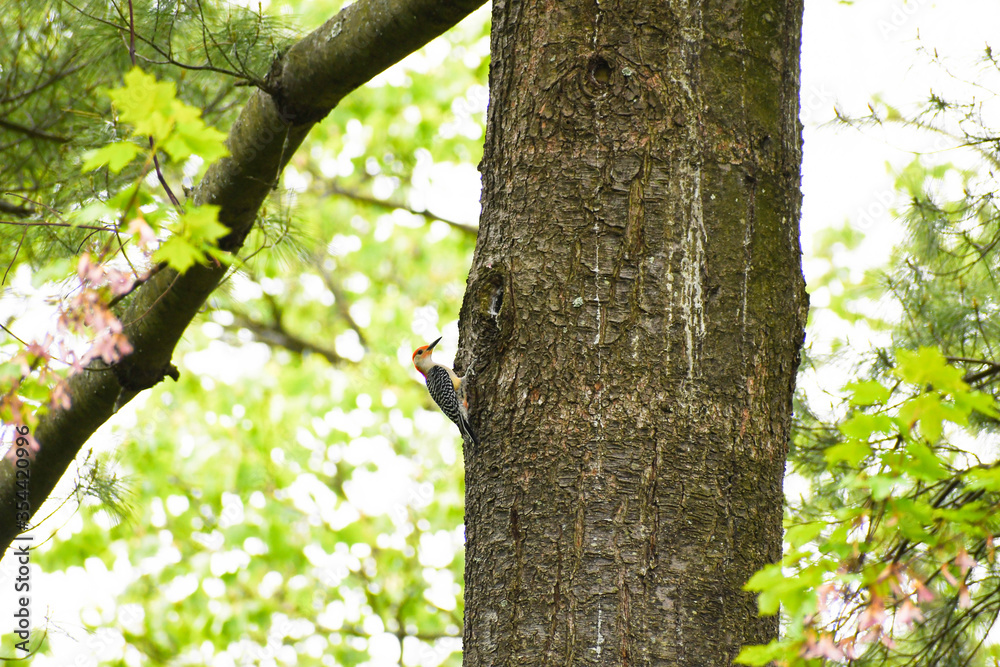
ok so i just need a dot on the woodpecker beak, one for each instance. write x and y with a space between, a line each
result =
431 346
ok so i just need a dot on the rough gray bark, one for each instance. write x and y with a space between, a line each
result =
303 86
635 310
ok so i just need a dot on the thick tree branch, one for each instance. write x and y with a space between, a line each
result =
306 83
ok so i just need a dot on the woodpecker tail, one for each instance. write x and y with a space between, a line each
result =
466 428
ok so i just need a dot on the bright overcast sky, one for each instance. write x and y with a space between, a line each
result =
851 52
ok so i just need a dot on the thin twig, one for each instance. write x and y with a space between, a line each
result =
152 272
368 199
275 333
156 301
18 223
14 258
156 162
13 335
32 132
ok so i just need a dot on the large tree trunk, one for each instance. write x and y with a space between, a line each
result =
635 312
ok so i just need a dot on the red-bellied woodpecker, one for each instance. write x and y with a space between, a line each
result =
446 388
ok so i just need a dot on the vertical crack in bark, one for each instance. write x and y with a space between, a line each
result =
626 618
556 607
518 538
750 224
624 615
652 515
579 530
692 272
695 236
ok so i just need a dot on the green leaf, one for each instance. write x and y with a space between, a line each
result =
882 486
862 426
178 253
766 577
776 588
152 109
852 453
984 478
838 547
201 225
115 156
763 654
911 518
925 464
56 269
977 401
192 137
967 515
145 104
9 372
868 392
931 412
928 366
132 195
95 211
803 533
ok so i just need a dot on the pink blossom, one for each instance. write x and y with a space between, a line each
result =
871 635
74 361
98 317
21 359
40 349
110 347
88 272
924 594
120 282
139 227
887 572
948 575
60 396
874 614
32 448
824 595
908 613
964 597
824 648
964 561
849 646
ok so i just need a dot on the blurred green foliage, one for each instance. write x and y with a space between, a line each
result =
890 535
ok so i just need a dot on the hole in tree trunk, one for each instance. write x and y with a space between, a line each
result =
600 70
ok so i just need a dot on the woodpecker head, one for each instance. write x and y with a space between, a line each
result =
422 357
